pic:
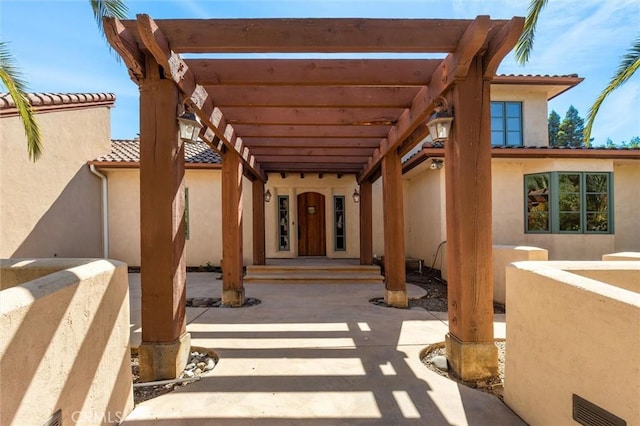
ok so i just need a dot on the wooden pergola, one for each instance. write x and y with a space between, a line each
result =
357 116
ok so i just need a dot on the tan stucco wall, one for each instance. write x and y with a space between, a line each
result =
205 217
329 185
569 334
65 342
534 110
52 208
425 221
626 182
508 208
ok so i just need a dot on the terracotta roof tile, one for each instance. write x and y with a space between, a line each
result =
128 151
41 102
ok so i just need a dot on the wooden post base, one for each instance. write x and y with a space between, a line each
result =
472 361
233 297
163 361
396 298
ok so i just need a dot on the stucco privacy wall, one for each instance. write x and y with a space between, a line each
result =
64 341
64 209
569 334
205 217
329 186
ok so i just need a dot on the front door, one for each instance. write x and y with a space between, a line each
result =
311 226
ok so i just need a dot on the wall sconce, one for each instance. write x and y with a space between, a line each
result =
356 196
267 196
436 164
440 121
189 127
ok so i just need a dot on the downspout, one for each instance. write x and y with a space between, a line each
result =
105 211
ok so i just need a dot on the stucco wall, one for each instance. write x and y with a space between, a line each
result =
626 181
568 334
329 185
534 110
205 217
65 341
425 221
52 208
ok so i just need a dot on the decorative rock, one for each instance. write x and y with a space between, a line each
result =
210 364
440 362
198 371
190 366
201 365
189 374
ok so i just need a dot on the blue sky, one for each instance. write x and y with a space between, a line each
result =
59 49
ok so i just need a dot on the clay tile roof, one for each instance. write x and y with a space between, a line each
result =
128 151
43 102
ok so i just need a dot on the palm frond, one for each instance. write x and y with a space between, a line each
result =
524 46
17 88
628 66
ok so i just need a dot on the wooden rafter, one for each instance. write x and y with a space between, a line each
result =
312 116
303 143
313 35
453 67
311 131
318 96
196 95
313 72
501 44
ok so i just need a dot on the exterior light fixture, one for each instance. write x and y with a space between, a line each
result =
356 196
267 196
436 164
189 127
440 121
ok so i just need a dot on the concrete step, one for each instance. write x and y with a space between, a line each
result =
339 274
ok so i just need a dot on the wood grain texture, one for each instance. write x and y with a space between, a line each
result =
366 223
311 224
468 205
231 222
393 211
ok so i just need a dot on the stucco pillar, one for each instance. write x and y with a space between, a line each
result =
165 343
258 223
366 223
469 345
232 288
394 263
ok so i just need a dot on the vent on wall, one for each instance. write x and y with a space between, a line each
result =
588 414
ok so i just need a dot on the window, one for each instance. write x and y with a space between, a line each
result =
283 222
506 123
568 202
339 223
186 213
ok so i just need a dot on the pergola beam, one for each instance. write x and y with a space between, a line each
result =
196 95
301 144
122 40
312 116
349 35
312 96
454 66
312 72
501 44
311 131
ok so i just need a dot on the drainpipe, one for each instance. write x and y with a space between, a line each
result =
105 211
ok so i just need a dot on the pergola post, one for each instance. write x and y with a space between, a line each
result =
165 343
259 257
469 345
394 262
366 223
232 288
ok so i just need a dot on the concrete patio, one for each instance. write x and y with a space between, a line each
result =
315 354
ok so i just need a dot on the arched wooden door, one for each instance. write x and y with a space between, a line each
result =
311 225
